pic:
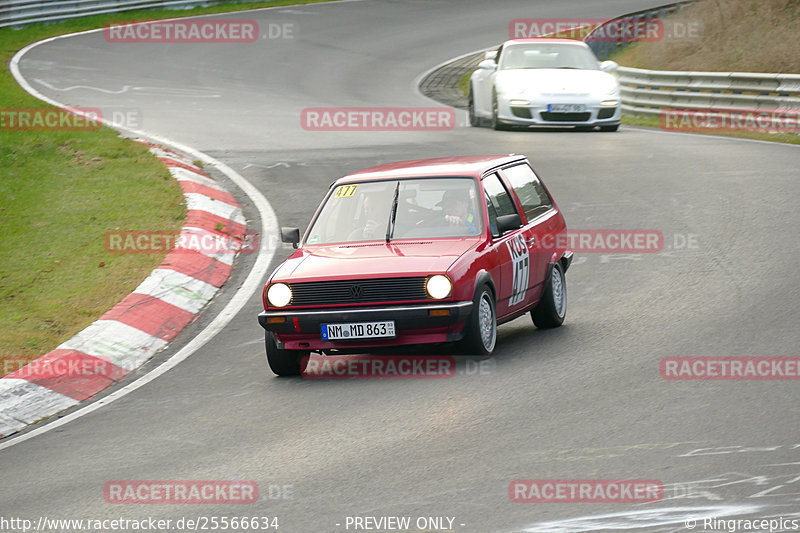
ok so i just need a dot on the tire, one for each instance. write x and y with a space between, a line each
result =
284 362
552 308
615 127
474 121
481 327
495 123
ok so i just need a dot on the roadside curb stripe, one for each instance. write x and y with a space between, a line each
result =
71 373
178 289
28 402
182 174
123 345
151 315
213 244
201 202
142 323
197 265
208 221
215 194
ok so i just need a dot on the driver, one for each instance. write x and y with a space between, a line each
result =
375 217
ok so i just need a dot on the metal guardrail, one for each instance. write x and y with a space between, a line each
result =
18 13
646 92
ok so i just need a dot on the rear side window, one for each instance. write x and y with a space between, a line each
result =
498 201
529 189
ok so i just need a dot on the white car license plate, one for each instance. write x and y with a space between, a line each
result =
358 330
566 108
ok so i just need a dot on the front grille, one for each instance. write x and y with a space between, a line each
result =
314 293
521 112
565 117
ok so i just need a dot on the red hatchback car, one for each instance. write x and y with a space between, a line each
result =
418 252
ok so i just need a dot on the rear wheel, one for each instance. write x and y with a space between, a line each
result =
552 308
482 325
284 362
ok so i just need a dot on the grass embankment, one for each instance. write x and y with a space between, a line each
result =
736 36
60 192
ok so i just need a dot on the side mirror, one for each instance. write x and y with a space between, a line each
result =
487 64
508 222
290 235
609 66
490 54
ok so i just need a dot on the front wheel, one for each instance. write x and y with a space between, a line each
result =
284 362
482 325
552 308
495 122
474 121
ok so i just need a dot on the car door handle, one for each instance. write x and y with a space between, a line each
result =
532 241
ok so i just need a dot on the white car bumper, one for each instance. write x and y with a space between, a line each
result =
538 114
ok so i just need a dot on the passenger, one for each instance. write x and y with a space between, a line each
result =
456 207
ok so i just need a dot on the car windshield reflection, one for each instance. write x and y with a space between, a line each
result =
426 208
542 56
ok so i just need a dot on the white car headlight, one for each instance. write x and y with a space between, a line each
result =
279 294
438 286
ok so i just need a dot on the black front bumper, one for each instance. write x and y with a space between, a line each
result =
405 317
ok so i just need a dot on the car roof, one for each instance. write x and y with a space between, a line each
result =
544 40
473 165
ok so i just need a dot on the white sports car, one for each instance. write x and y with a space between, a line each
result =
544 82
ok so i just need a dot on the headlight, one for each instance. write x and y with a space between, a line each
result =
438 286
279 294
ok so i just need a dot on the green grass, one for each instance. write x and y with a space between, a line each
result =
654 122
60 192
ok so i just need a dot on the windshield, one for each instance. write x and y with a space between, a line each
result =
552 55
426 208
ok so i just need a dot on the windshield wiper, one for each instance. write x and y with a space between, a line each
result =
393 215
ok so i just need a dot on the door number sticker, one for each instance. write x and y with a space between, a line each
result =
520 268
346 191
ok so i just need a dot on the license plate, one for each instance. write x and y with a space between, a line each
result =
566 108
358 330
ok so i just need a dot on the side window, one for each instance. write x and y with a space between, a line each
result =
529 189
498 200
492 217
